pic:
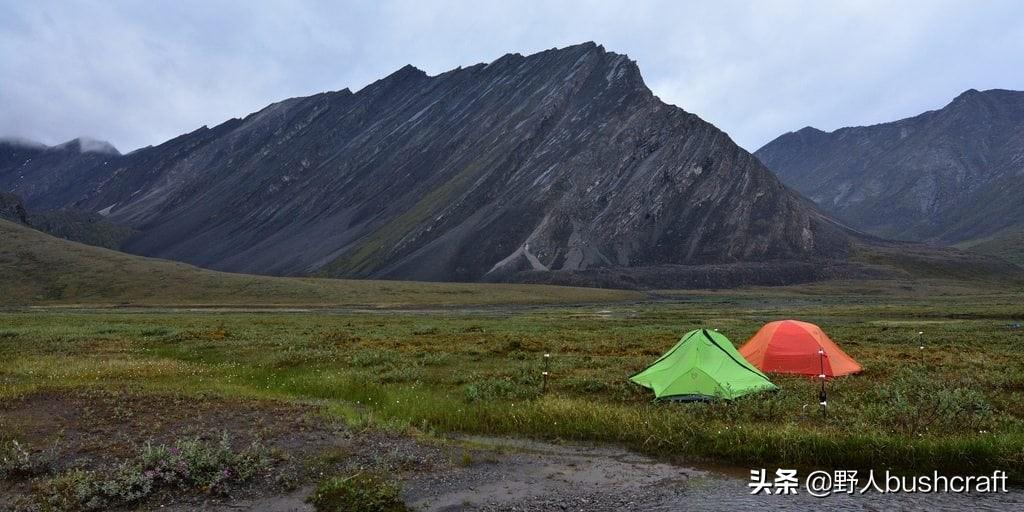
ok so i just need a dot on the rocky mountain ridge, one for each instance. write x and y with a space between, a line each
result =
944 176
558 162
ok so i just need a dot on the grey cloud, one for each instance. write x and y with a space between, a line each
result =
138 73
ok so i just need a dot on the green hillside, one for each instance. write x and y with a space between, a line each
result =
36 268
1008 245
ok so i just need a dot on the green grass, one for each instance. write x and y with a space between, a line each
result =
357 492
1008 245
941 263
954 406
39 269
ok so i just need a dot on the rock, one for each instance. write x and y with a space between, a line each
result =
12 209
945 176
558 162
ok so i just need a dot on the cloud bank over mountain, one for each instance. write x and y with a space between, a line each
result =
137 74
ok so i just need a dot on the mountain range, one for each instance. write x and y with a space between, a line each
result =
948 176
558 166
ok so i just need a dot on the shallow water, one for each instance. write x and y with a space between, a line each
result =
538 477
542 476
714 493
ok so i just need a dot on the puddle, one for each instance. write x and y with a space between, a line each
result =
531 475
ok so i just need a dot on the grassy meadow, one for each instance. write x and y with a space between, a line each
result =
955 405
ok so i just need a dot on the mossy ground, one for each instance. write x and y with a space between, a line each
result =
954 405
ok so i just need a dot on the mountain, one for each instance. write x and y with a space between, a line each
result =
36 268
558 162
75 225
81 226
51 177
950 175
12 209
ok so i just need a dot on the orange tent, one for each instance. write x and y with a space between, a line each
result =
790 346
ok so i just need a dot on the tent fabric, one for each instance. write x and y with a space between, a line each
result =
791 346
703 365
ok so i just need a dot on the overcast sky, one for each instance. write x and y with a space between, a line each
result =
138 73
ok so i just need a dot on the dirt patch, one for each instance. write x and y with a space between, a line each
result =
94 430
97 429
91 428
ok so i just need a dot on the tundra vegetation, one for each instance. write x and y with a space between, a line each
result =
949 399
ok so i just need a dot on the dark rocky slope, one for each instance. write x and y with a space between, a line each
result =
51 177
12 209
562 161
75 225
944 176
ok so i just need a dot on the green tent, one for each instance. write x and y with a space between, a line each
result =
702 366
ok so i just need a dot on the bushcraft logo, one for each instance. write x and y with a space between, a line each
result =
847 481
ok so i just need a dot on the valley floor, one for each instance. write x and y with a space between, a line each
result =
398 393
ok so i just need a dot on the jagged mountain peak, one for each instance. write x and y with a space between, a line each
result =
558 162
402 74
991 101
809 130
407 69
566 62
88 145
967 94
616 66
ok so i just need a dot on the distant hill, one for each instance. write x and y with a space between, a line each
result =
81 226
36 268
53 177
950 175
75 225
561 163
1008 245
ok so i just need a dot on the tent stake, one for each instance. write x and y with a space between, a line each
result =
822 395
544 385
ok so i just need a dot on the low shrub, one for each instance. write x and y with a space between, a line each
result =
204 466
368 358
358 492
190 464
435 359
500 389
915 404
18 462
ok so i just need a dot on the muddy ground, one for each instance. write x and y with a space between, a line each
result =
97 429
